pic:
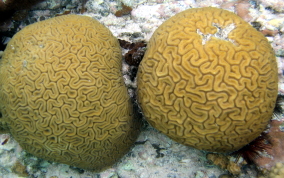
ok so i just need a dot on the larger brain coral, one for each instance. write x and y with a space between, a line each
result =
208 80
62 94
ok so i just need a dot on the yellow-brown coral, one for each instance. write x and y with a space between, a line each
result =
277 171
62 93
20 169
208 80
225 162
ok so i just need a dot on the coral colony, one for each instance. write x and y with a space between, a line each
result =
204 83
66 86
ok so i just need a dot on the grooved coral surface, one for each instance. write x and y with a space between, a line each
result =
62 93
208 80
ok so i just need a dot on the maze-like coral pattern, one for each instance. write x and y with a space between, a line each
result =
62 93
208 80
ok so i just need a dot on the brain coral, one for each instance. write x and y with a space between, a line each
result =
62 93
208 80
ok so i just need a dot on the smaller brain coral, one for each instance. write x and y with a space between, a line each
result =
62 93
208 80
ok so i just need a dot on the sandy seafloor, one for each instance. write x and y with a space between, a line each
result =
170 159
